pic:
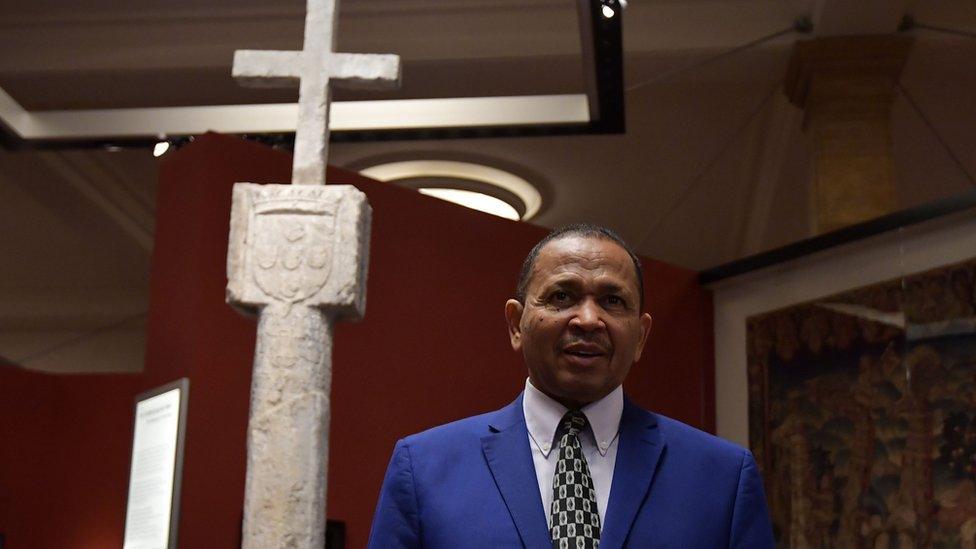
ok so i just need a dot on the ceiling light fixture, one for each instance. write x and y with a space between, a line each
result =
474 200
608 11
476 186
160 148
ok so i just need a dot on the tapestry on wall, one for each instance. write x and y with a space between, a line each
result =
862 414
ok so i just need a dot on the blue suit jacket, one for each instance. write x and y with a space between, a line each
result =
472 484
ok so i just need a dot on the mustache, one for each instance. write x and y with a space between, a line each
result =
597 340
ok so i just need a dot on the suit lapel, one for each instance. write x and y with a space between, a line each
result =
509 457
638 453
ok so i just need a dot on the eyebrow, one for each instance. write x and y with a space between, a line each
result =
612 286
572 283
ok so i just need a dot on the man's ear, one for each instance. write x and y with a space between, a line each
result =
513 316
645 322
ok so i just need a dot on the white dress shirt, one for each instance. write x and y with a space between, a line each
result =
599 441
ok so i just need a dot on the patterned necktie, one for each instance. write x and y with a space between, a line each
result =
575 520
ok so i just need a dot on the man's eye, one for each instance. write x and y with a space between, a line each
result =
559 297
615 301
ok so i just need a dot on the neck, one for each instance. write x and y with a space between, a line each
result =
569 403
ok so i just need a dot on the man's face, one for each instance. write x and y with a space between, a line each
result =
580 329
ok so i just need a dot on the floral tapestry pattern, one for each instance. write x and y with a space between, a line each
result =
862 414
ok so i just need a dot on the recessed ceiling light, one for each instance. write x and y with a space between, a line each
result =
474 200
608 12
469 177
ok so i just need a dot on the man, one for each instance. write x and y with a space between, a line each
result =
572 463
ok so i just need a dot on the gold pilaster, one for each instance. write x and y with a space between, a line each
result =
846 86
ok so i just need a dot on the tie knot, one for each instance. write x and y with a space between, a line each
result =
573 422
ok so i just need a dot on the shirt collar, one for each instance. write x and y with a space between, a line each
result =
542 415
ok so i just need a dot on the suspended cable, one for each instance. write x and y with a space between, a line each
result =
711 163
80 338
721 55
931 127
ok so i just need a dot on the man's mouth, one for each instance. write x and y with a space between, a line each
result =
585 350
583 353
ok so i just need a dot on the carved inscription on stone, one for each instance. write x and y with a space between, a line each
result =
285 344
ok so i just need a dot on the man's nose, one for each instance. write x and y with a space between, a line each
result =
588 316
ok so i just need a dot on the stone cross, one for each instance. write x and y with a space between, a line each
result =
313 67
298 257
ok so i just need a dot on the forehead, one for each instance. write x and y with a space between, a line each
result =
586 256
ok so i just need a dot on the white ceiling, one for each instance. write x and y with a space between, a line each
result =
714 165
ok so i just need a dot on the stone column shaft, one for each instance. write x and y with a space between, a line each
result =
287 439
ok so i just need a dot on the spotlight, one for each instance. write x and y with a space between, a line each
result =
608 12
160 148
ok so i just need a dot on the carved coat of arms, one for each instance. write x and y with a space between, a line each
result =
294 267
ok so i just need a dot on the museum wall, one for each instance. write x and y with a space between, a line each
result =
64 457
883 257
432 348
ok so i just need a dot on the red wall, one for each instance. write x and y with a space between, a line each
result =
432 348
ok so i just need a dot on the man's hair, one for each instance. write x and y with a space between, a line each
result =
585 230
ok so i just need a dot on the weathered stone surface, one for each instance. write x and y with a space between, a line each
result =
288 431
312 69
298 257
299 245
279 69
